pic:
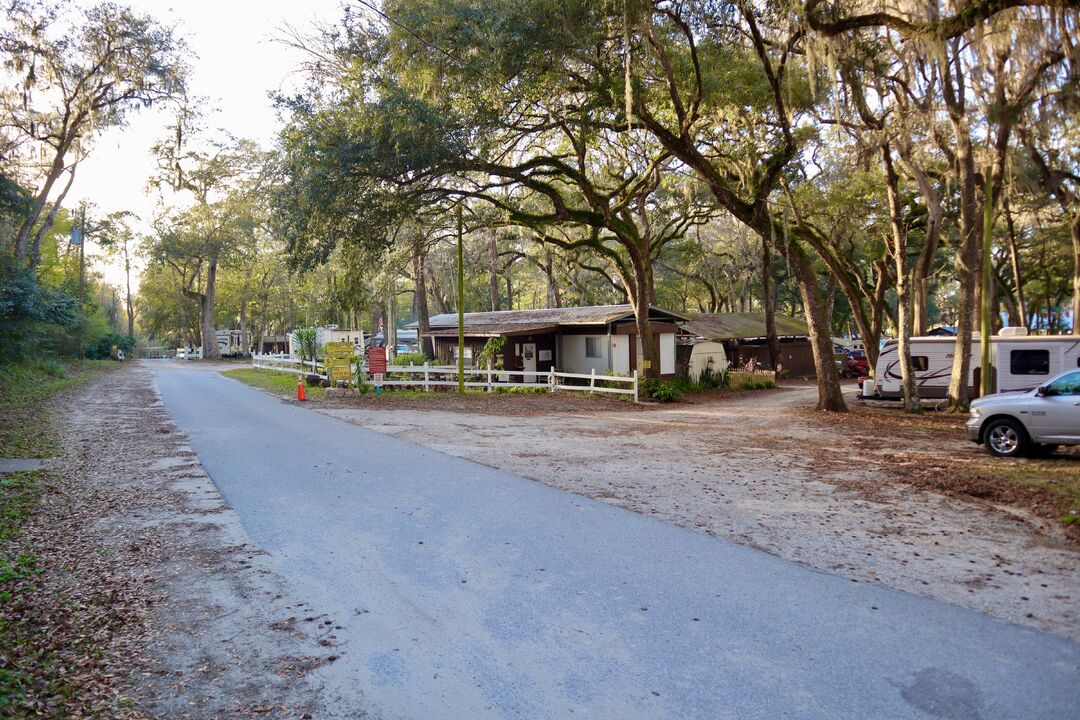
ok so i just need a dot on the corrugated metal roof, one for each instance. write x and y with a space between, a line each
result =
729 326
494 329
509 321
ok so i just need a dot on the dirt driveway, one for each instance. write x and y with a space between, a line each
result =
153 601
761 470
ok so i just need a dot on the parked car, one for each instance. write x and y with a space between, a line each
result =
842 360
859 362
1011 424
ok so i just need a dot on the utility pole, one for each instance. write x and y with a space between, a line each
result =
986 328
460 306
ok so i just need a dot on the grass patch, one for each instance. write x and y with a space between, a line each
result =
1057 479
26 430
19 493
278 383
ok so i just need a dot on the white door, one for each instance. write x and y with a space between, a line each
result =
528 359
620 354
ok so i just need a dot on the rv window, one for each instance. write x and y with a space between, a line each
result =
920 363
1029 362
592 347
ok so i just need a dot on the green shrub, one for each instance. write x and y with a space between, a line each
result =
492 354
101 349
413 358
666 391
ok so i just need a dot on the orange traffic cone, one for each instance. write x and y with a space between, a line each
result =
300 395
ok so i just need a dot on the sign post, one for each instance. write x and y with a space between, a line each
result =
377 366
339 356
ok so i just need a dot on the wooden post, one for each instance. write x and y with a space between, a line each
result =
592 380
551 380
461 305
491 368
635 385
427 369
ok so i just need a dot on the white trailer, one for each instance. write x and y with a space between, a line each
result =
1020 362
328 334
230 343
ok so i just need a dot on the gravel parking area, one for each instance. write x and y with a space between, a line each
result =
855 497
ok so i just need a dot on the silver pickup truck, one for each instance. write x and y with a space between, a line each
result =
1036 421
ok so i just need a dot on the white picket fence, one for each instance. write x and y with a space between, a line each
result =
427 377
286 363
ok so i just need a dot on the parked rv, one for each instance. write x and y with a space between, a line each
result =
230 343
1020 362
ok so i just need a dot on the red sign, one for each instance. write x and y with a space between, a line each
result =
376 358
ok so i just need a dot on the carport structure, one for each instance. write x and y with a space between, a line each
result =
744 339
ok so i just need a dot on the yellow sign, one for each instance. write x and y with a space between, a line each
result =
339 357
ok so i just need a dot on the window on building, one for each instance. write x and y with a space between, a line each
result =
920 363
593 348
1029 362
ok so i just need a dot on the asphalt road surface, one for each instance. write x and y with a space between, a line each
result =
466 592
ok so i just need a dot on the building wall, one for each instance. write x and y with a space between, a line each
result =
572 357
445 347
797 358
666 345
545 346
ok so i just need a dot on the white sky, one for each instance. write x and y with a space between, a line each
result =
238 63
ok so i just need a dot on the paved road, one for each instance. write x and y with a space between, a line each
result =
465 592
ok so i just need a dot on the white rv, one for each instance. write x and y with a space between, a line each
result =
1020 362
230 343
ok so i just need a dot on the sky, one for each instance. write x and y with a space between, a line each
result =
238 63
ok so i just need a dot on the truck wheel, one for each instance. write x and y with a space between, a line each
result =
1006 437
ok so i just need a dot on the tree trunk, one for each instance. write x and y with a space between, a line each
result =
554 297
35 248
648 361
440 302
423 327
903 299
209 335
830 394
968 262
769 293
493 271
22 238
1074 231
1020 307
127 278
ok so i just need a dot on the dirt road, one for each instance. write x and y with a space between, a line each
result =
756 470
202 623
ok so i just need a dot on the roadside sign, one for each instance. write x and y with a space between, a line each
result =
76 235
339 356
377 360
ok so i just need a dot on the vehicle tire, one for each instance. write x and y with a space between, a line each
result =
1006 437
